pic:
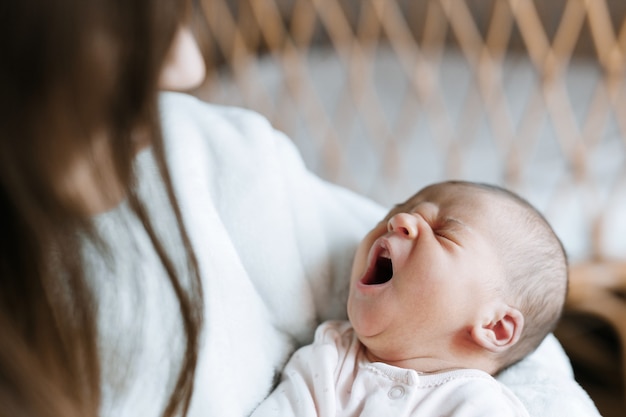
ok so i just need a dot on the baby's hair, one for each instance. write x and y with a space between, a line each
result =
536 269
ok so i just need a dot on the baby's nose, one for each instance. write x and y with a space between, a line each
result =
404 224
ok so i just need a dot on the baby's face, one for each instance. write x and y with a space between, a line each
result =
422 275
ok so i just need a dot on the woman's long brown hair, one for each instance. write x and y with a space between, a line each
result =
78 80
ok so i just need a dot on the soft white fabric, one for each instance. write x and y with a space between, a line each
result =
332 377
274 245
544 382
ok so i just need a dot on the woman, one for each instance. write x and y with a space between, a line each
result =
153 247
79 98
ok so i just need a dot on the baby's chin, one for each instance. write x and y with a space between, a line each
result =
364 327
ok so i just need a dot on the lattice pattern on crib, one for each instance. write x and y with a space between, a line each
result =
368 112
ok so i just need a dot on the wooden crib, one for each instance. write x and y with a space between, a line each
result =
385 96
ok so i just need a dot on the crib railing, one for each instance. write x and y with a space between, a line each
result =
384 96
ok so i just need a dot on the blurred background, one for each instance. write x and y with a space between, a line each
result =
386 96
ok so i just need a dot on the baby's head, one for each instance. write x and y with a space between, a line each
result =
461 275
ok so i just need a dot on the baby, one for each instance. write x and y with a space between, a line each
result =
454 285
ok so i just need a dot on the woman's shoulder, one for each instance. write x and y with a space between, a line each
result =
194 129
186 108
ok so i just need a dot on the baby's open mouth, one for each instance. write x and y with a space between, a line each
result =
381 270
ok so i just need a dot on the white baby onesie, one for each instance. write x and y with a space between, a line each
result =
332 377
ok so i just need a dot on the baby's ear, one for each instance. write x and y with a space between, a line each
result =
500 330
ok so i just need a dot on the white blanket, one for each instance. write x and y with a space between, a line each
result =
274 245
